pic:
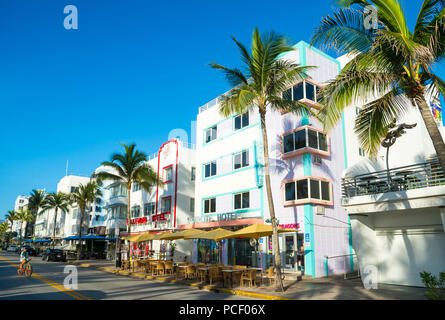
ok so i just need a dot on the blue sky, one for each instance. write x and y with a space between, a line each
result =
133 71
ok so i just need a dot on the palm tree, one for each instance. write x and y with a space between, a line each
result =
56 201
390 66
36 202
24 216
85 196
11 217
261 87
129 168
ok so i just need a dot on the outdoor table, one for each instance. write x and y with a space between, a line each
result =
180 266
232 271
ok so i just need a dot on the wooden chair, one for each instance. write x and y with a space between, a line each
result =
190 272
227 276
236 276
270 275
202 274
160 268
168 267
248 275
215 274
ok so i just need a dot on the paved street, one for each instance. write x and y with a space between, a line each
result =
48 278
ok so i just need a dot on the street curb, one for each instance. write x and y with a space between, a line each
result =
197 285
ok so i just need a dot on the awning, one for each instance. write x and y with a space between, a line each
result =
181 234
37 240
87 237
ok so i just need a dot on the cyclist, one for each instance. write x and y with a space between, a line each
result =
24 257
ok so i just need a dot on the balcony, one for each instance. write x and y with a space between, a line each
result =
423 175
415 186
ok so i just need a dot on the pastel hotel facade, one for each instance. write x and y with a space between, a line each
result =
306 166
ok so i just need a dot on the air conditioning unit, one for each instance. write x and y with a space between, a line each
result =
319 210
317 160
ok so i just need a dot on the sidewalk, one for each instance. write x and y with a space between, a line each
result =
332 288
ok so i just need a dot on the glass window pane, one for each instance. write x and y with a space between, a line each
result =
300 139
313 139
288 143
206 206
290 191
237 201
207 170
237 161
213 168
214 133
323 142
310 91
302 189
287 95
315 189
213 205
245 119
238 123
298 91
245 159
208 135
246 201
325 191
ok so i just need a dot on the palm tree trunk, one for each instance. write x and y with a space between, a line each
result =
54 229
276 246
79 248
433 131
129 220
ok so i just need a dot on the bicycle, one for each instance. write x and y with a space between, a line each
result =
26 269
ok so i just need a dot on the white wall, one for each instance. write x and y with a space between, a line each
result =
400 244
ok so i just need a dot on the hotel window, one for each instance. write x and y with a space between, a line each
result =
149 209
307 188
168 174
210 169
361 152
136 187
241 200
210 205
242 121
135 211
192 204
166 205
302 90
305 138
193 177
210 134
241 160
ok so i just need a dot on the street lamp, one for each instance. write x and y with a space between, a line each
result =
393 134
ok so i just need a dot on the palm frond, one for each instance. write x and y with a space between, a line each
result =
344 32
233 76
376 118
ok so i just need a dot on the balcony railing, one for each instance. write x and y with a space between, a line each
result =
422 175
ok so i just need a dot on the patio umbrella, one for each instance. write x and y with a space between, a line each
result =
256 231
133 238
216 234
148 236
181 234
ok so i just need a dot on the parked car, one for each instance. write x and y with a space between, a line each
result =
54 255
12 248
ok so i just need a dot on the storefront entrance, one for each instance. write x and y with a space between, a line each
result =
241 252
292 252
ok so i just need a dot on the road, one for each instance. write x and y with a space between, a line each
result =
47 283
